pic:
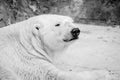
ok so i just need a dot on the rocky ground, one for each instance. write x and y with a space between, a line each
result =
98 47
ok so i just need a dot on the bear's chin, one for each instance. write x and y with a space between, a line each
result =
69 40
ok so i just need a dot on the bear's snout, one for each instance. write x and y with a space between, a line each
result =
75 32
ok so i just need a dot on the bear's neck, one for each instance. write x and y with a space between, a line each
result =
32 45
16 35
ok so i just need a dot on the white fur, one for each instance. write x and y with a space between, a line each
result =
26 53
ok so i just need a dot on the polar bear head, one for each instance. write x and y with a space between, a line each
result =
53 32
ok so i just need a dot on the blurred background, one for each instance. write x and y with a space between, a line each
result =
98 12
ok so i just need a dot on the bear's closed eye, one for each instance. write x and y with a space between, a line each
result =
57 25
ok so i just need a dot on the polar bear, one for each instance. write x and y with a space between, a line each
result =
27 50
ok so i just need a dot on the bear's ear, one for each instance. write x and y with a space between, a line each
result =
36 28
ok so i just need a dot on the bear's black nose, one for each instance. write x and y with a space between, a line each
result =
75 32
